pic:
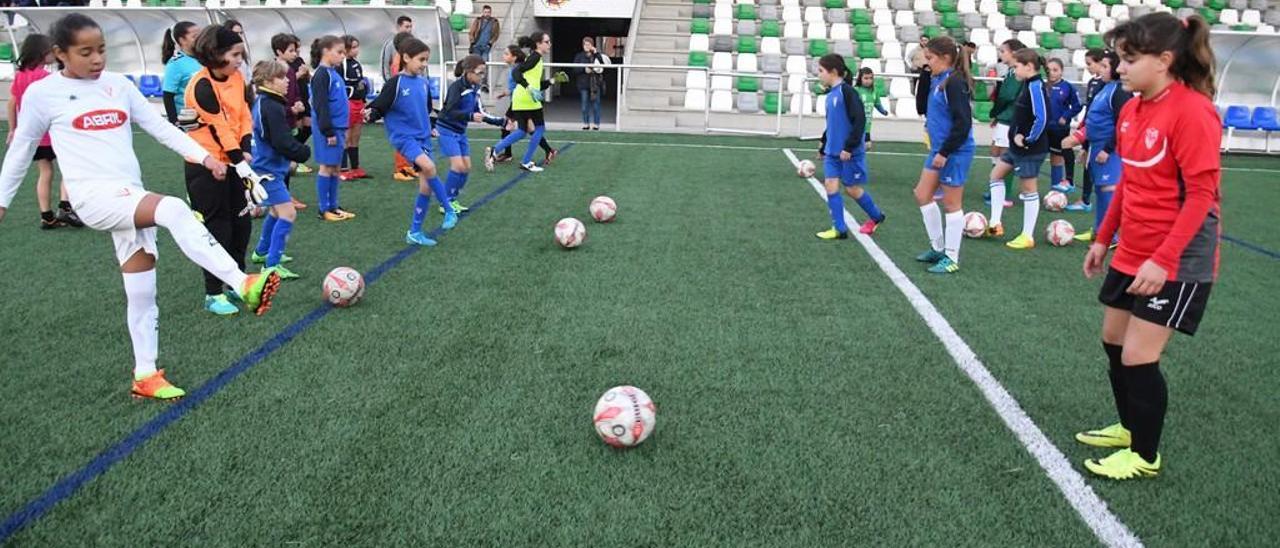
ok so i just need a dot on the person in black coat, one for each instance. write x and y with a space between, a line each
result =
591 83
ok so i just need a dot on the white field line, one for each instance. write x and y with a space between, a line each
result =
1091 508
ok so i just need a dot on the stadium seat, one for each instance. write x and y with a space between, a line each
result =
924 6
699 42
802 102
837 16
816 31
997 21
904 19
700 25
1054 9
793 46
747 28
926 18
695 99
722 101
770 45
747 44
769 12
864 33
773 103
150 85
1229 17
895 66
909 35
698 59
795 83
966 6
814 15
1051 40
905 109
982 110
748 62
1264 119
770 29
748 84
1001 36
722 27
792 14
1011 7
886 33
793 30
873 64
868 50
1236 117
1028 38
722 43
1041 23
695 79
723 11
859 17
748 102
944 6
1078 58
843 48
745 11
1077 11
900 88
721 82
840 31
1094 41
891 50
882 17
987 55
980 37
1251 17
796 65
771 64
818 48
458 22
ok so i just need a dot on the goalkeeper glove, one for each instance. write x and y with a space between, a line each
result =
254 193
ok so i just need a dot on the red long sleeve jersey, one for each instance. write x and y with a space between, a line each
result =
1167 206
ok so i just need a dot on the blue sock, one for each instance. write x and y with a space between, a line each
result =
869 206
420 205
440 192
462 183
322 193
264 241
1056 173
453 184
835 205
1100 205
533 143
279 237
509 140
333 192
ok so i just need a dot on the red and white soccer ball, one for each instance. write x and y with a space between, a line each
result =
975 224
1059 232
343 287
1055 201
603 209
570 233
625 416
806 169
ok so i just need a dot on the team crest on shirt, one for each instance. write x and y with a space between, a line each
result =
1149 138
1124 127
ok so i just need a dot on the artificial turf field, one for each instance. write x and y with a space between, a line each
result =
802 400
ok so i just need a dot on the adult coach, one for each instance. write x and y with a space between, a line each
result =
389 66
484 32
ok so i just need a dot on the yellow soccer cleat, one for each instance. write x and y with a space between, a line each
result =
832 234
155 386
1124 464
1115 435
1021 242
1086 236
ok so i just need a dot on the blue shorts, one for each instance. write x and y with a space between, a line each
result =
1025 166
326 155
956 171
454 144
851 172
1104 174
276 192
412 147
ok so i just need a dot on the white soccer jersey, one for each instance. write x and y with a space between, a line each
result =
88 122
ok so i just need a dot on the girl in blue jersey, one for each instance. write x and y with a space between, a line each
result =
405 103
1064 105
1100 129
274 148
331 115
844 159
1028 148
461 106
949 122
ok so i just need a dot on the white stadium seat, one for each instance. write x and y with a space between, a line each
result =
980 37
891 50
695 79
695 99
1097 11
793 29
724 11
1042 23
987 55
886 33
722 101
895 66
699 42
465 7
802 102
722 60
904 19
721 82
796 65
748 62
1229 17
997 21
1055 9
922 5
900 88
722 27
906 110
795 83
1251 17
988 6
856 4
770 45
1121 12
791 13
873 64
1085 25
878 4
816 31
882 17
966 6
1079 58
814 15
821 105
1001 36
840 31
1028 38
1105 25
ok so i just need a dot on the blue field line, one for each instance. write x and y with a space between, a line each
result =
67 486
1253 247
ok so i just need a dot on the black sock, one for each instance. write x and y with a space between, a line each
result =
354 154
1148 400
47 216
64 205
546 147
1116 372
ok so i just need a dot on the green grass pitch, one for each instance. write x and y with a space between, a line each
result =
801 400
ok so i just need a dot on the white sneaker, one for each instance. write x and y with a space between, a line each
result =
531 167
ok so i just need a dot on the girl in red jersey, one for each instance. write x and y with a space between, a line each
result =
1167 206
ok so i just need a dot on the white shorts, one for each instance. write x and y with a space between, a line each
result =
110 208
1000 136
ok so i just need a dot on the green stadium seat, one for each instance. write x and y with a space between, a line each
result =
748 84
746 11
698 59
1077 10
458 22
835 4
1210 15
952 21
982 110
960 34
1050 40
1093 41
818 48
772 104
868 50
933 31
864 33
860 17
818 89
851 63
1065 25
882 87
1112 2
1216 4
980 90
1175 4
1244 28
770 28
700 25
1011 8
701 1
944 6
747 44
6 52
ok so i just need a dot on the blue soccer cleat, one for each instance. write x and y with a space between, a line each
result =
450 219
418 238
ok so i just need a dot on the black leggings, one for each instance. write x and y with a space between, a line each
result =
523 118
219 203
1068 155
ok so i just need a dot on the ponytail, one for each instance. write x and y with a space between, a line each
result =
320 44
1187 39
517 53
169 47
946 46
531 41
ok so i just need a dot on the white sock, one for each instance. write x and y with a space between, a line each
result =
143 317
1030 211
933 224
197 243
997 201
955 233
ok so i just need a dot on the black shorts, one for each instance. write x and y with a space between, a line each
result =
1179 305
44 153
523 117
1056 135
213 198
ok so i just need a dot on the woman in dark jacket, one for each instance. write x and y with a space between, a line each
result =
591 84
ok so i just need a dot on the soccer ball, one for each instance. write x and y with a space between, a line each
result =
603 209
975 224
1055 201
1059 232
343 287
570 233
806 169
625 416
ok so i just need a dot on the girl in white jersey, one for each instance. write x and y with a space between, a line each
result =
86 111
